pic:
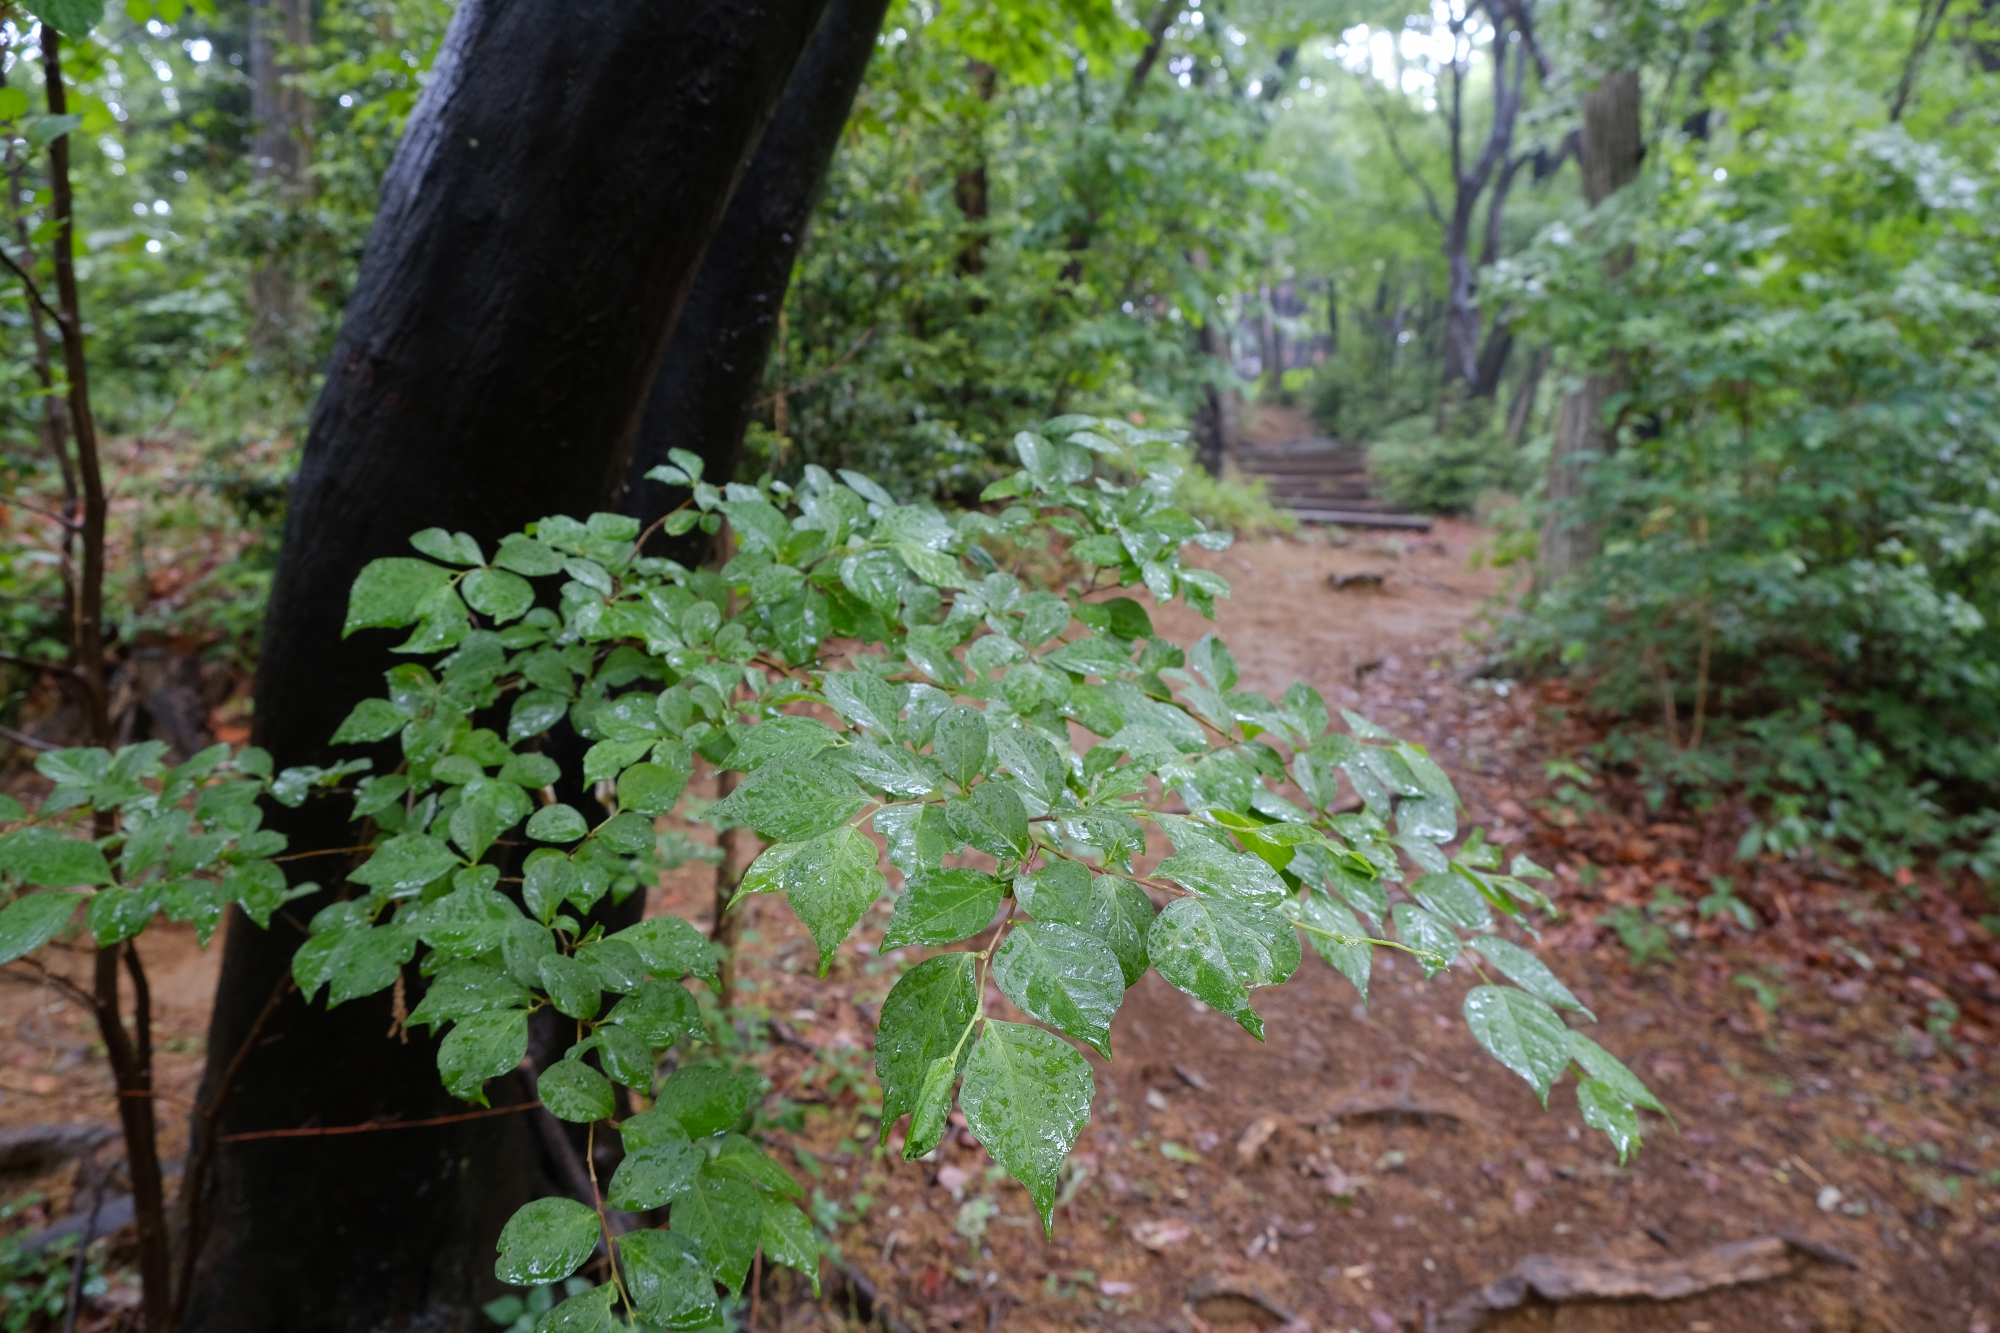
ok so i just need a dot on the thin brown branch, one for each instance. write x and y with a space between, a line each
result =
375 1126
1518 11
324 851
813 379
1403 159
23 738
190 1206
135 1116
33 664
1156 35
34 292
69 988
87 613
65 522
1928 19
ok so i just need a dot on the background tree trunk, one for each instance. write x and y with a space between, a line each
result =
538 232
280 124
714 363
1609 153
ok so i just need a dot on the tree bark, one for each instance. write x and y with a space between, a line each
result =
1462 316
1270 351
1524 394
1609 152
969 189
279 119
538 232
714 363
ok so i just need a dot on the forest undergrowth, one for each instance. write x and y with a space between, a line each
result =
1821 1035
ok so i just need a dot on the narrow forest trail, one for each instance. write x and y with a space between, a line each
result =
1366 1168
1225 1184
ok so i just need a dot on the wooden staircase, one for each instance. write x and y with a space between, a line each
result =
1323 480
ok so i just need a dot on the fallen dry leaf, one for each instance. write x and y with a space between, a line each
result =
1160 1234
1254 1138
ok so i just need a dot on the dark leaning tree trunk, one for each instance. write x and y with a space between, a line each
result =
714 362
538 232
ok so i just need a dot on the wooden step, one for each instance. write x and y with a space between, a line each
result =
1354 518
1323 480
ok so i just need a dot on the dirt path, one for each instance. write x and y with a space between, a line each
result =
1284 1171
1215 1164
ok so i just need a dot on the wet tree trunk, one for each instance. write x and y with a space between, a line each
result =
1609 153
714 363
538 232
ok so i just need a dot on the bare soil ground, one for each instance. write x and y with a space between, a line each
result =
1367 1167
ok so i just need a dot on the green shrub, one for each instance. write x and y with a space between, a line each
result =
1800 541
1429 471
1241 505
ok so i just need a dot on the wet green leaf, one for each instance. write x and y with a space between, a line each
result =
1353 957
1219 873
32 920
959 744
1059 891
585 1312
1603 1108
669 1279
923 1019
1528 972
918 836
991 819
943 907
497 594
1606 1068
47 859
573 1091
1026 1097
388 592
654 1177
1061 976
662 1012
1453 898
706 1099
481 1047
652 789
1219 951
791 800
671 948
737 1156
725 1216
557 823
1436 942
1521 1032
572 985
464 989
371 720
545 1241
830 883
786 1237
